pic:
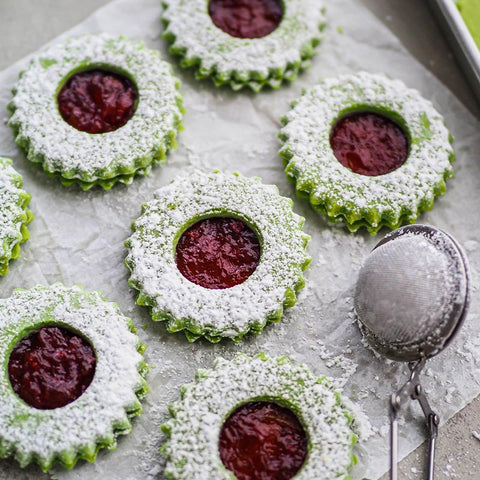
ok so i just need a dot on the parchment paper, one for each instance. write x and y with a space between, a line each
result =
78 237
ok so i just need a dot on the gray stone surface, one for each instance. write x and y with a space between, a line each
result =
25 25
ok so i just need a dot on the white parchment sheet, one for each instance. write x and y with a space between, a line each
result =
78 237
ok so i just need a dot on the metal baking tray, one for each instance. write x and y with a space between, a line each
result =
466 51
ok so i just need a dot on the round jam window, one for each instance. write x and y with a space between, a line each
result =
263 441
51 367
246 18
97 101
369 143
218 252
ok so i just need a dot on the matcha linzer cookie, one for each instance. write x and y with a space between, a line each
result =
244 43
366 151
217 255
14 214
73 375
258 417
96 110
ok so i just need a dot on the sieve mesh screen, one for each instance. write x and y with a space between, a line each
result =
410 289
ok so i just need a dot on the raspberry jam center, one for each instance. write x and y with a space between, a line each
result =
51 367
218 252
97 101
263 441
246 18
369 143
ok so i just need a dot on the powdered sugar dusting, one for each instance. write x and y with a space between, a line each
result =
243 59
13 214
228 312
192 447
103 409
59 147
344 195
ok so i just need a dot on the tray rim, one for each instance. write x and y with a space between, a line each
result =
461 40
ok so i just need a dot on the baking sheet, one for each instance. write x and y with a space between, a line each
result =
78 237
466 51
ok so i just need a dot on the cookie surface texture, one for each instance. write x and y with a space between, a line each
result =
243 62
101 158
217 313
14 214
92 421
192 449
359 200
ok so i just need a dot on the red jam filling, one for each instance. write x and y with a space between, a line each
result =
97 101
369 143
263 441
51 367
218 252
246 18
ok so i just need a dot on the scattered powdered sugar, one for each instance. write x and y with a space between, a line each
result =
344 367
59 147
221 54
103 410
192 447
344 195
227 312
14 213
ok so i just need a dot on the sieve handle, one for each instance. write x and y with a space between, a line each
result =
431 458
393 449
394 452
413 390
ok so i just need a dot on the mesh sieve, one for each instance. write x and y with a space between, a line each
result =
412 293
